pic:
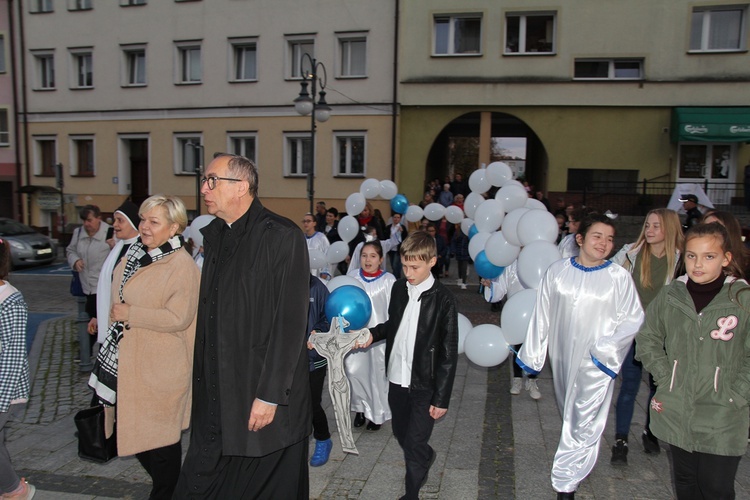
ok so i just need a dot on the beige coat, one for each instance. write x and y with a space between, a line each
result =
154 381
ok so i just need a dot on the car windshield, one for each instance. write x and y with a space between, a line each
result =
14 228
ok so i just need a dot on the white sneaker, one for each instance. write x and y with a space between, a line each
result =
459 282
463 286
533 389
515 389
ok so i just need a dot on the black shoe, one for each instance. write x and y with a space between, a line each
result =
650 443
427 474
359 420
373 426
566 496
620 453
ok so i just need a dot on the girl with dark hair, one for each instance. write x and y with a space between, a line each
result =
695 342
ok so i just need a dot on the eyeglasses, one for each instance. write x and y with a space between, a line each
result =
307 221
213 179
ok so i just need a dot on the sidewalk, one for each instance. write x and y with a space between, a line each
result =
490 444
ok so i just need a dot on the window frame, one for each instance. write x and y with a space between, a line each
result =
133 3
183 62
77 5
75 164
39 168
344 41
523 30
451 42
231 136
3 53
44 71
348 135
234 45
128 52
706 29
299 138
611 69
41 6
294 60
180 140
4 127
76 55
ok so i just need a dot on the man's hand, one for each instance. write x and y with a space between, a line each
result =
261 414
78 266
93 326
436 412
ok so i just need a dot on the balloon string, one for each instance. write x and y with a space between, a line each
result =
510 348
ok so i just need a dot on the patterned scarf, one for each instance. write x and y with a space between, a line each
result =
103 377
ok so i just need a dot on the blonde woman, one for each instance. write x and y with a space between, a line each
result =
652 261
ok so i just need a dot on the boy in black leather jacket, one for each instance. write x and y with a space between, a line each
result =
421 354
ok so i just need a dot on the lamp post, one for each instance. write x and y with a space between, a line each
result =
305 105
198 148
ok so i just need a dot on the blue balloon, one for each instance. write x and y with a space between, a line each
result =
473 230
399 204
352 303
485 268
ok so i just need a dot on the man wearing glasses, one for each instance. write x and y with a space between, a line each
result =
316 242
251 412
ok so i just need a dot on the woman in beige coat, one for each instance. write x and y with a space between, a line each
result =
157 308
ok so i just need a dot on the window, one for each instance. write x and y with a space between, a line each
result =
297 155
242 143
134 61
353 55
82 70
458 35
44 65
530 33
298 64
188 62
244 54
45 156
718 28
4 128
38 6
2 53
188 151
82 156
79 5
349 156
130 3
609 69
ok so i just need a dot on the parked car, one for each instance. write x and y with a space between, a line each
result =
27 246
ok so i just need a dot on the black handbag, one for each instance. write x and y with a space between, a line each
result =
92 443
76 289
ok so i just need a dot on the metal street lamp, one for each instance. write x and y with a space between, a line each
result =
305 105
198 148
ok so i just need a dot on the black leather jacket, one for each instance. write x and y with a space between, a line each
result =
436 345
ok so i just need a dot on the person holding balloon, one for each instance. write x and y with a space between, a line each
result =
366 368
587 313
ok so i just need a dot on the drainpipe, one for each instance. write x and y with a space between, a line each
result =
18 113
394 103
14 83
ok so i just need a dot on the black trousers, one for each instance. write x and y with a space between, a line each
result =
319 418
412 425
91 311
517 370
700 476
163 465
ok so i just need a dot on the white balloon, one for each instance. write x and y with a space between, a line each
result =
485 346
195 228
355 203
317 259
510 225
343 280
454 214
516 315
388 189
466 224
498 173
536 225
476 244
348 228
489 215
434 211
512 196
337 252
534 260
370 188
535 204
464 327
478 183
499 251
471 203
514 182
414 213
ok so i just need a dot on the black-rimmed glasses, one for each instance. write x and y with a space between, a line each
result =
213 179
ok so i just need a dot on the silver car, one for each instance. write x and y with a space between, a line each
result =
27 246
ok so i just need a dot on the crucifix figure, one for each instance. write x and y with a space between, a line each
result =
333 346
